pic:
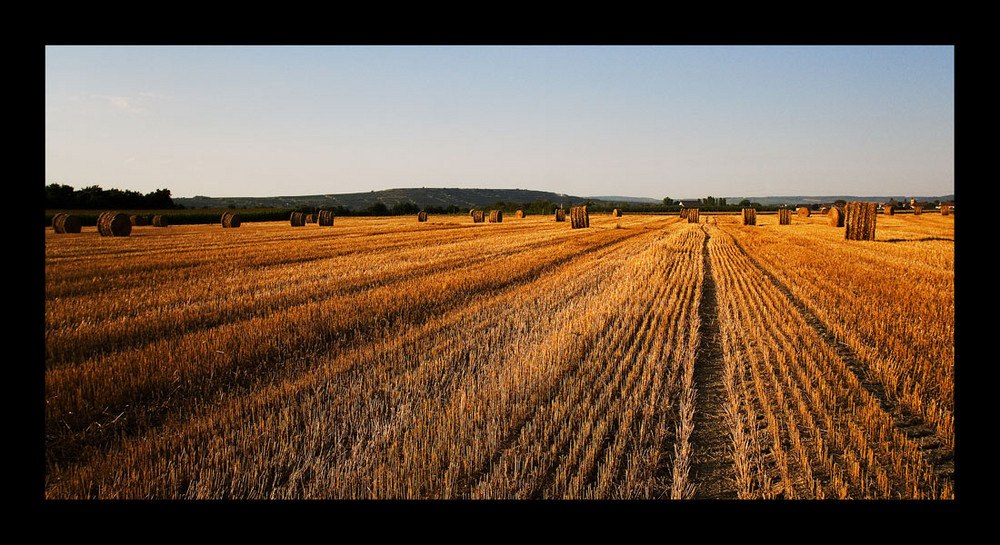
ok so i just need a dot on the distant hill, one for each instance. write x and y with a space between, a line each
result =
807 199
423 197
465 198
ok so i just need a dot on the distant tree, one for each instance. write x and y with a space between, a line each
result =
668 201
404 208
58 196
745 203
377 209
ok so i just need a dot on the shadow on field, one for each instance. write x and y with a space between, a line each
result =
925 239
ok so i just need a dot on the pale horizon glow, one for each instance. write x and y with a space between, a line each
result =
638 121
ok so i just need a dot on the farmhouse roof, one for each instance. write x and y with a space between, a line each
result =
690 204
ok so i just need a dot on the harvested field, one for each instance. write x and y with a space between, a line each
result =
646 357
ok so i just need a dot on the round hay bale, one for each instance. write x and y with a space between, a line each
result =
616 213
421 216
560 214
784 216
57 222
578 217
917 210
325 218
684 213
860 220
836 215
160 221
310 218
496 216
139 220
478 216
298 219
693 215
114 224
229 219
519 214
803 211
888 210
749 216
66 223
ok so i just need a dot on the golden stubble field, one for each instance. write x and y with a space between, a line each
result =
644 357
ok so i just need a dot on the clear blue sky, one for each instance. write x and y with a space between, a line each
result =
677 121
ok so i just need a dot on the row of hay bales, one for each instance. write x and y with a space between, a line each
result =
324 218
109 223
693 215
857 217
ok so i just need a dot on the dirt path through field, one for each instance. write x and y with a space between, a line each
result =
712 470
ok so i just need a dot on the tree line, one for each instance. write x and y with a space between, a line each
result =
65 197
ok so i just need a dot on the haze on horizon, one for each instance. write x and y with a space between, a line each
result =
639 121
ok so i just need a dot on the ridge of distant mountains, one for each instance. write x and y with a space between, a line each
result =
472 198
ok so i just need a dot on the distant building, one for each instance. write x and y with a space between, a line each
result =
689 204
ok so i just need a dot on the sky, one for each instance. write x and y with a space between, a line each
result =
639 121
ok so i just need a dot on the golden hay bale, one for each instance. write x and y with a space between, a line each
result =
945 210
836 215
519 214
784 216
578 217
478 216
616 213
421 216
229 219
496 216
139 220
66 223
917 210
859 221
310 218
803 211
888 210
749 216
159 221
114 224
325 218
560 214
684 212
298 219
693 215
